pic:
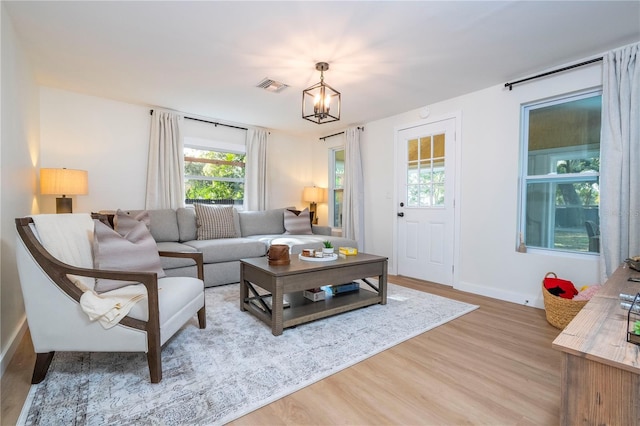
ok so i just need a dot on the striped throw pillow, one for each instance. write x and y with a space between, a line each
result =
214 222
297 224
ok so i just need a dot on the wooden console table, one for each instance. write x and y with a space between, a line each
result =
600 369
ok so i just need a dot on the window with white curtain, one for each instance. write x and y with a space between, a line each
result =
214 172
336 186
560 169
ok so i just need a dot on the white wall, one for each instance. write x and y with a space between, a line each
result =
110 140
18 159
107 138
289 169
489 164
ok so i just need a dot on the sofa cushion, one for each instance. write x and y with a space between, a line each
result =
163 223
130 247
227 249
214 222
173 294
175 262
297 222
262 222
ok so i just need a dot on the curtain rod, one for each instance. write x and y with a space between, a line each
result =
509 85
339 133
212 122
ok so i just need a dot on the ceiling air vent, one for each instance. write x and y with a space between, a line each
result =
271 85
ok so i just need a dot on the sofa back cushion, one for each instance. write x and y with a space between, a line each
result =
187 223
264 222
163 224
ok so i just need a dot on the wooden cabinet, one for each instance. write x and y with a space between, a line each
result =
600 369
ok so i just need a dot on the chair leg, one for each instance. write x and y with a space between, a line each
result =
154 360
202 318
43 361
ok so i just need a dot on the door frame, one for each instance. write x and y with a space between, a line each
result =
457 117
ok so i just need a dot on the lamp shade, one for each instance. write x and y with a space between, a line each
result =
313 194
64 182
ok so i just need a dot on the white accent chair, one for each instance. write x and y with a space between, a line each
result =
57 322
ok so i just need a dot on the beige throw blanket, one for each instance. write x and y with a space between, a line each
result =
69 238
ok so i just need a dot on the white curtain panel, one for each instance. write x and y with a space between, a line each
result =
255 173
620 158
165 168
353 202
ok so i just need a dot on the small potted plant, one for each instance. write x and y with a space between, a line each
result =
327 250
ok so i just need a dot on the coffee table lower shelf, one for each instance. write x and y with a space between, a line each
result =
302 310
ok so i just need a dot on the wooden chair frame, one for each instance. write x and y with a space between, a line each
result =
58 272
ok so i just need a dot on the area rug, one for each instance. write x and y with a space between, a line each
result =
231 368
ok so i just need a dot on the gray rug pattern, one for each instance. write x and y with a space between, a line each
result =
231 368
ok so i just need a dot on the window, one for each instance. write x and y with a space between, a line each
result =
560 195
336 186
425 171
214 175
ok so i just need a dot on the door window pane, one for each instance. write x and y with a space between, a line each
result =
425 171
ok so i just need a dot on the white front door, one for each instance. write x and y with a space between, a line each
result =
425 163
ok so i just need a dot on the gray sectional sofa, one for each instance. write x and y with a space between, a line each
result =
176 230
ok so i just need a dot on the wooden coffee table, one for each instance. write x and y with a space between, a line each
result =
302 275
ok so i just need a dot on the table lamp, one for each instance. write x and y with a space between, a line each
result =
64 182
314 195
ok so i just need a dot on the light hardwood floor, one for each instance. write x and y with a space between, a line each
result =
493 366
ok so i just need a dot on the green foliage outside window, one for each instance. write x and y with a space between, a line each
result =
583 193
214 175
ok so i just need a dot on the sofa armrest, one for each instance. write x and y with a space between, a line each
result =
321 230
196 256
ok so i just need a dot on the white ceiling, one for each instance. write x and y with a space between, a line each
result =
205 58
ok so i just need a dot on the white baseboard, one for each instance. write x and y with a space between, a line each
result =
14 341
534 300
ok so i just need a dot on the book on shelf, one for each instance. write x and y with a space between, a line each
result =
341 288
314 294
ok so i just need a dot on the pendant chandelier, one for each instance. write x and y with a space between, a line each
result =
321 102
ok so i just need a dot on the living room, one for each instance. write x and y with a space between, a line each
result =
49 125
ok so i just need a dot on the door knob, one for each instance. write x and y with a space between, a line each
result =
401 214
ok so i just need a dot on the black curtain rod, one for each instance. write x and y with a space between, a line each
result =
510 85
339 133
213 122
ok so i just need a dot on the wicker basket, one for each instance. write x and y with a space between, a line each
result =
560 311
